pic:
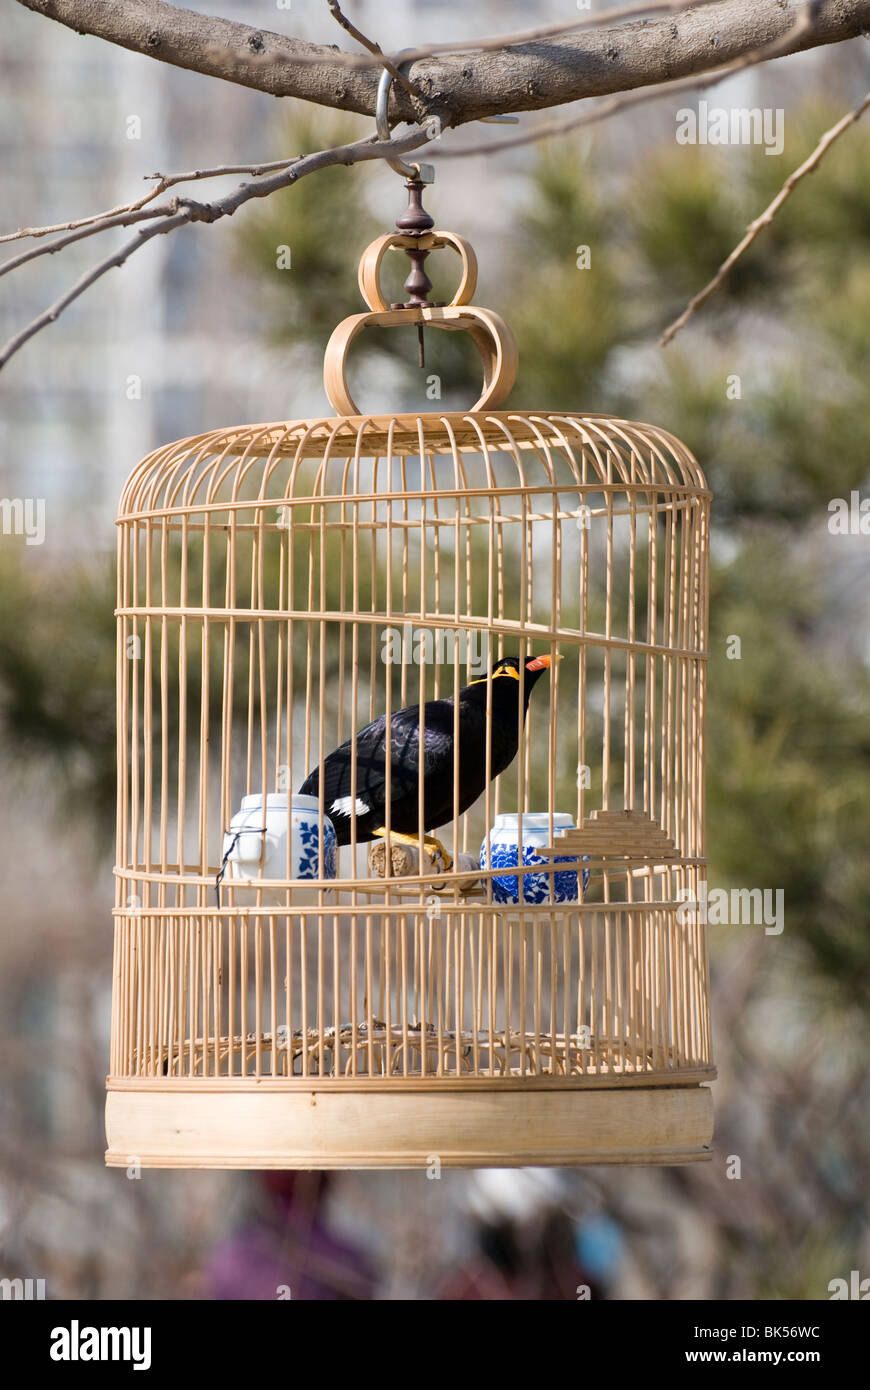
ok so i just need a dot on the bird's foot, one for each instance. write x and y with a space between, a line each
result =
436 852
434 848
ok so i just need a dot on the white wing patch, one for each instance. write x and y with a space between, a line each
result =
343 806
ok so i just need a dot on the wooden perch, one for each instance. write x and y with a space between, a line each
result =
405 860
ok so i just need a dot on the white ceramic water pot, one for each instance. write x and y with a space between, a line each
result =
253 855
538 833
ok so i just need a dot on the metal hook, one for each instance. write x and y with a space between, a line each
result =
420 173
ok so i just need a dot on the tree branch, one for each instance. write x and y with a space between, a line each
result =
764 219
543 130
467 85
469 47
164 181
92 226
594 20
36 232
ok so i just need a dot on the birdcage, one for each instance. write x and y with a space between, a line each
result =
515 605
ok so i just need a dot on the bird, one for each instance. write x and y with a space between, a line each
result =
366 810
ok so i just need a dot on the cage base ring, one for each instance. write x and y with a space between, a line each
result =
174 1126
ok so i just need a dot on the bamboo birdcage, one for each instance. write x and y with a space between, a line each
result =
268 576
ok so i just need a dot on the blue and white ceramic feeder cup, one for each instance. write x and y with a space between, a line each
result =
254 855
539 831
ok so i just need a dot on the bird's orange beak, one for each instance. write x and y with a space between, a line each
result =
540 663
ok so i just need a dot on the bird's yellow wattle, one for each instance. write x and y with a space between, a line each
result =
502 671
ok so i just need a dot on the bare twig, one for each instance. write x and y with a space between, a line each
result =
219 171
164 181
602 109
765 219
187 211
55 310
373 48
24 232
543 31
129 213
127 218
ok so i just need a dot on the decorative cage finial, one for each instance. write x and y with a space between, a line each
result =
414 223
491 335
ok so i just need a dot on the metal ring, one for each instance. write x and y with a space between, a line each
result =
408 171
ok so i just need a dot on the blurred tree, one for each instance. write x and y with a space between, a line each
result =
57 662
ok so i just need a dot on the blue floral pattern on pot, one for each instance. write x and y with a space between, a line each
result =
309 837
503 845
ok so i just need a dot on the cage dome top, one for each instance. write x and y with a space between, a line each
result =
253 463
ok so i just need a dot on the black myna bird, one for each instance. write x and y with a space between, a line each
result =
370 810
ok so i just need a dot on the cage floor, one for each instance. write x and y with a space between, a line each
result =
397 1050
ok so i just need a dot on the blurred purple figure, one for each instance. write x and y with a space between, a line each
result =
285 1250
525 1246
